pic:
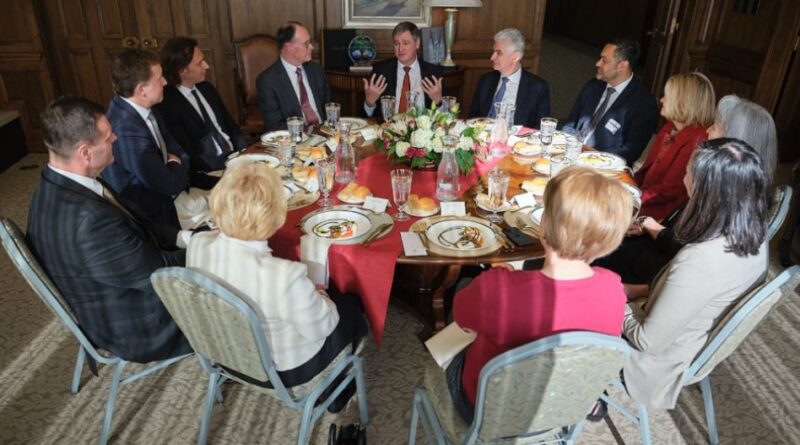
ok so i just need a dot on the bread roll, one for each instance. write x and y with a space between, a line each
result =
422 205
535 185
354 193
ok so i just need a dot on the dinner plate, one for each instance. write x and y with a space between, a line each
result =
271 138
526 149
536 216
482 201
366 221
355 123
482 121
446 235
634 191
302 198
337 224
601 160
270 160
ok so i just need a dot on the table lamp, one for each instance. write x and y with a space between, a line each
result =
450 25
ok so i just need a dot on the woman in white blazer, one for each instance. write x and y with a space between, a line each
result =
723 229
304 327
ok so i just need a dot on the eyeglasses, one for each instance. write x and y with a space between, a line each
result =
306 44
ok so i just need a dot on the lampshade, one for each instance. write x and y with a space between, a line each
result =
455 3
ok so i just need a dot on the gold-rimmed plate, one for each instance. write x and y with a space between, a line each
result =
460 237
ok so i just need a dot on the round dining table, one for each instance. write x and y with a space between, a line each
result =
380 270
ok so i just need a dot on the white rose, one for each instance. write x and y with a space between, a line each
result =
421 138
440 131
424 122
437 145
458 128
465 143
399 127
401 148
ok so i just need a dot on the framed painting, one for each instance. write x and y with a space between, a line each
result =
385 14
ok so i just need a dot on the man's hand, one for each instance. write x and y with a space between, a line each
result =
651 226
373 88
433 88
173 158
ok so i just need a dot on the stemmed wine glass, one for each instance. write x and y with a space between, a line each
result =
387 107
325 169
498 186
448 102
401 187
412 99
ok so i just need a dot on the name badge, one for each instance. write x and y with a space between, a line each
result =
613 126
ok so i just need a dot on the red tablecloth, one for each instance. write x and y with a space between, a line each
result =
366 271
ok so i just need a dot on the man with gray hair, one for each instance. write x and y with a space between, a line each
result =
509 83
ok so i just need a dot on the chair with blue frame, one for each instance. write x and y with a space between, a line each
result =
540 391
17 248
779 208
729 333
223 328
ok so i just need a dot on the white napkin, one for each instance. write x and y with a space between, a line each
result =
314 254
314 140
192 208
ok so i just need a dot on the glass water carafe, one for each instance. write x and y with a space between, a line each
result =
345 156
447 186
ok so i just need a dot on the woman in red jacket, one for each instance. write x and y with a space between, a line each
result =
585 217
688 106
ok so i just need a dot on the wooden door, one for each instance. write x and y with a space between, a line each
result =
660 46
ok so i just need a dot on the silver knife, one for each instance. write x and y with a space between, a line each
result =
372 236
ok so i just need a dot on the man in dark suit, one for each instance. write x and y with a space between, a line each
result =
509 83
294 85
405 72
97 251
193 110
150 167
615 112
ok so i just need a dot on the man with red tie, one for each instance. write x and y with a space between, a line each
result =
294 85
403 73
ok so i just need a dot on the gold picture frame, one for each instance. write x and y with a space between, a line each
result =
384 14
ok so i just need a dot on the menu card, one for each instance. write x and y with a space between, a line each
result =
377 205
453 208
525 200
412 244
451 340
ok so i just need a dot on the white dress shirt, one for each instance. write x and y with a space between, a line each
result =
416 85
291 70
187 92
512 87
617 91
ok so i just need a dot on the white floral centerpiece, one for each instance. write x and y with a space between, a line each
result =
415 138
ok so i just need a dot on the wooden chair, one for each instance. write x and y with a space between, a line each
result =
254 54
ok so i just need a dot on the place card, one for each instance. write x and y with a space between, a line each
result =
412 244
377 205
525 200
332 144
453 208
369 134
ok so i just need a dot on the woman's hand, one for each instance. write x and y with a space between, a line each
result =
651 226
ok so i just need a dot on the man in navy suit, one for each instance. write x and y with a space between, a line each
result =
404 72
193 110
150 167
615 112
509 83
96 248
294 85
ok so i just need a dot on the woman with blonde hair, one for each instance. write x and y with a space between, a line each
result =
304 327
688 106
585 217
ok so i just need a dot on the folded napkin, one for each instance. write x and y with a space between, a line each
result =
192 208
314 254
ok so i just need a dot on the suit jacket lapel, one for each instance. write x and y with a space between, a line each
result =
622 98
391 80
288 91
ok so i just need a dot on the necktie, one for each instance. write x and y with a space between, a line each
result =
110 198
498 96
598 114
159 139
308 113
222 143
406 88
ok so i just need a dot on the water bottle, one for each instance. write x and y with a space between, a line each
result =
345 157
447 186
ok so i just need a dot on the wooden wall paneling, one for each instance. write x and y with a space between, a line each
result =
250 17
787 115
27 86
19 31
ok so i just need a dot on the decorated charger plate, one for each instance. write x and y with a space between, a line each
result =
345 224
299 198
601 160
482 121
459 236
270 160
271 138
355 123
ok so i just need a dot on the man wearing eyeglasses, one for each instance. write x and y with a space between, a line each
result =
294 85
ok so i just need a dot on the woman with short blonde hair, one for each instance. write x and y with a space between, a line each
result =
688 105
305 328
586 214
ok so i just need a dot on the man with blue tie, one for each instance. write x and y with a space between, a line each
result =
615 112
149 168
511 84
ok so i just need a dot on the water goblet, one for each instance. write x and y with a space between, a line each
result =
325 170
387 107
286 152
547 128
332 112
401 187
574 147
498 186
412 99
295 126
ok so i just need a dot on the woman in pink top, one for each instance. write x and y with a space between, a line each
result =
586 215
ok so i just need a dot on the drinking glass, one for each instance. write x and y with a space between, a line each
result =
387 107
505 111
295 126
332 112
401 186
325 170
574 147
412 98
547 128
558 163
286 152
498 186
448 102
